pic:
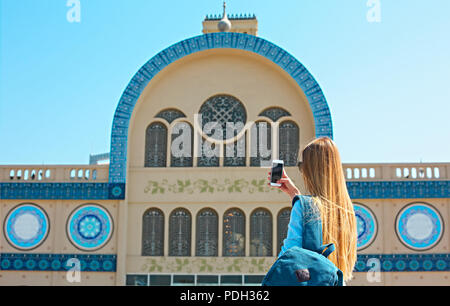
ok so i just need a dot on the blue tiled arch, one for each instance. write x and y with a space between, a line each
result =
312 90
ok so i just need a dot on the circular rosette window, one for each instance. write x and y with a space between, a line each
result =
366 226
89 227
419 226
26 226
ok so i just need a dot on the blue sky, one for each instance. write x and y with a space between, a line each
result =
387 83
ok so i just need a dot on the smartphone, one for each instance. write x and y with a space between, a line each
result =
276 173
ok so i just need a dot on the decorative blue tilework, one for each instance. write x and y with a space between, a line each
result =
26 226
399 189
404 262
107 262
313 92
419 226
366 224
56 262
104 191
89 227
62 191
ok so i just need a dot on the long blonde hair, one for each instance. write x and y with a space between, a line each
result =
324 179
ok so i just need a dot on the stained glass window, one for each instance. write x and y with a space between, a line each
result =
207 233
282 226
234 233
261 233
261 144
289 143
182 145
180 233
153 233
156 145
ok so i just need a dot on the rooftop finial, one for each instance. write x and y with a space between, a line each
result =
224 24
224 9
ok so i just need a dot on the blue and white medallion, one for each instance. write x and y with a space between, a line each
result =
26 226
419 226
90 227
366 226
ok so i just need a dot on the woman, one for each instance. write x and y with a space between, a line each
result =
330 205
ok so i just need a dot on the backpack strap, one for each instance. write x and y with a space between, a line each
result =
295 199
327 249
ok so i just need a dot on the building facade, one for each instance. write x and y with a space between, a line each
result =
153 216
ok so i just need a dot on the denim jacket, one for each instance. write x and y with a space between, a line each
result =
305 226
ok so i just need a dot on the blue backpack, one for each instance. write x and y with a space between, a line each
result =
299 266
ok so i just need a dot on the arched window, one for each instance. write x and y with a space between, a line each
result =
234 233
207 233
289 143
156 145
282 226
180 233
153 233
182 145
261 144
261 233
275 113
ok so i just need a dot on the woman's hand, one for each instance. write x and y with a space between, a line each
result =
287 186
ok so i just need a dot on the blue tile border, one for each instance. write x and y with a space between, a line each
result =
399 189
403 263
116 191
62 191
57 262
108 262
312 90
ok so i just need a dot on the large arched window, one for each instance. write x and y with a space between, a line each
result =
207 233
261 233
284 216
235 154
289 143
234 233
156 145
153 233
180 233
222 117
261 144
182 145
209 155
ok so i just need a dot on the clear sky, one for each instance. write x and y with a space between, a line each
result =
387 83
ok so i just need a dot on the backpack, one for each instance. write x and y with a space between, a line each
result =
298 266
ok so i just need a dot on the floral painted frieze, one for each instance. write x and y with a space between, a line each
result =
208 186
207 265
